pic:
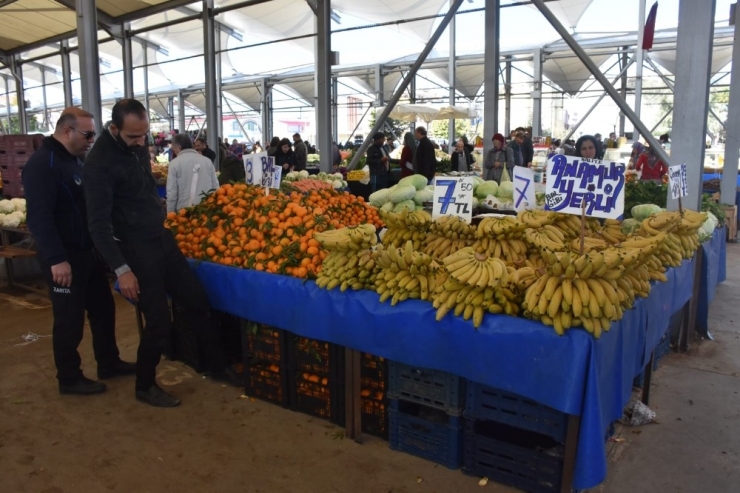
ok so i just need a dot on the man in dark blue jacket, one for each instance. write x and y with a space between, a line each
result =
378 162
76 274
127 225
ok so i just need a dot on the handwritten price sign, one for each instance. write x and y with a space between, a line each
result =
260 170
453 197
524 196
678 181
573 181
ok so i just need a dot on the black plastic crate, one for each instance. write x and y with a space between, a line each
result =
263 342
319 396
375 417
311 355
426 432
488 403
432 388
529 461
374 372
267 381
374 397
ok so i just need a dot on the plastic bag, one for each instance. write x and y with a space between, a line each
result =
505 175
366 177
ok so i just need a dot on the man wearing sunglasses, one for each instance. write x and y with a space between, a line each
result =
76 274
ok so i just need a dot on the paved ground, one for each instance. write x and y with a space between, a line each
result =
217 442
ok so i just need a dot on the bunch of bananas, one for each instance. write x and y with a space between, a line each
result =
524 277
500 237
349 239
569 225
405 226
404 274
536 218
446 235
472 284
610 232
546 237
681 239
347 270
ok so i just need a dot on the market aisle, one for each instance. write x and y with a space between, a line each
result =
696 445
215 442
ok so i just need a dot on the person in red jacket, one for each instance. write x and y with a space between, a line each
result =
651 165
407 155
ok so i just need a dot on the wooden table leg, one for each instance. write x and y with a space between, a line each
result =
647 379
571 449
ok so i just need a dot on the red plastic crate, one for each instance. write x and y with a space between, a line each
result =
13 189
20 143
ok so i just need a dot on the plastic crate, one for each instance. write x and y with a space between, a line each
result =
522 459
373 372
311 355
488 403
13 189
426 432
263 342
375 417
313 398
374 397
267 381
20 143
432 388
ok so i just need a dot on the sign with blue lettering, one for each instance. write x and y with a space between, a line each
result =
678 181
260 170
453 196
574 181
524 196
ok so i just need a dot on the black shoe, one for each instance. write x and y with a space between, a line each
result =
83 386
157 397
122 368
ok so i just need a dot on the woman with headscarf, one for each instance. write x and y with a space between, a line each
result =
587 147
493 167
407 155
651 165
274 144
637 149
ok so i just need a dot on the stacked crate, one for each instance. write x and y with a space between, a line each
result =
426 413
316 370
374 395
513 440
14 153
264 351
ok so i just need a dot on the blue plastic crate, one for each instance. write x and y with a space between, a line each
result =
525 460
426 432
431 388
488 403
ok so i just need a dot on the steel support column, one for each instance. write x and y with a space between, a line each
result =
266 113
66 73
379 86
220 96
451 73
45 121
639 56
87 38
171 112
491 71
17 70
691 96
7 104
537 94
334 109
732 144
623 93
323 84
128 62
605 83
146 76
181 111
507 107
211 92
407 80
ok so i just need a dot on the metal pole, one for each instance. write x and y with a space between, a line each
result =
323 83
181 111
732 144
507 107
359 122
335 109
219 85
451 72
691 97
17 70
211 93
491 72
45 121
7 104
66 73
639 54
406 81
661 120
537 94
266 113
146 76
128 62
171 112
379 86
87 39
596 103
581 54
244 130
623 93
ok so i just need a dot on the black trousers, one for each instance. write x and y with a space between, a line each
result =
91 293
162 270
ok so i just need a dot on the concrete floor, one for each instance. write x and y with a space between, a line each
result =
217 442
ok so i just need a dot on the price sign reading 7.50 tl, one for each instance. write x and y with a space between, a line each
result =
453 197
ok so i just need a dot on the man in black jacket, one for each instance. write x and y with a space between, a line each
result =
127 226
75 273
201 146
425 160
378 162
527 148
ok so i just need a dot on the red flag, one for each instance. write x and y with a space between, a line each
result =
647 40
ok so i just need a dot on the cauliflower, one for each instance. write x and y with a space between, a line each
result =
6 207
19 204
2 218
13 220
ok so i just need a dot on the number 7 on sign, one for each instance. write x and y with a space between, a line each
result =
522 193
447 198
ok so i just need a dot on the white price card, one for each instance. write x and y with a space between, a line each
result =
678 181
253 164
574 181
453 196
524 196
277 175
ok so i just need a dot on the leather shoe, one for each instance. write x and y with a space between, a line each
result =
83 386
157 397
122 368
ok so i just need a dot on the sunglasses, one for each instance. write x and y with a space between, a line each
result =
88 135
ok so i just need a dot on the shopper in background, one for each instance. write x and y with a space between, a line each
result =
652 167
274 145
407 155
285 156
257 148
496 159
587 147
637 149
127 225
468 146
514 156
75 273
201 146
232 170
527 148
425 160
461 160
301 153
378 162
600 148
390 144
612 142
236 148
336 156
189 175
665 141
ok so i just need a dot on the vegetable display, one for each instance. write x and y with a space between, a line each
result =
12 212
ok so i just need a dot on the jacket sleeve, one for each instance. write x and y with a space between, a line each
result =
212 178
99 197
301 155
41 196
640 162
510 161
373 158
490 161
172 188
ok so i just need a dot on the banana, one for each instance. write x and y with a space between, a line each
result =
555 302
576 306
567 286
478 313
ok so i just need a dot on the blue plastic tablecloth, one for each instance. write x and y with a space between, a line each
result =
162 191
575 374
711 176
713 272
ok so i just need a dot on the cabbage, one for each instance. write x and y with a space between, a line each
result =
423 196
402 193
629 226
303 173
505 190
417 181
405 205
419 208
337 185
477 181
486 188
643 211
475 203
388 207
380 197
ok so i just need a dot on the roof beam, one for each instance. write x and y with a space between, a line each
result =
152 10
5 3
222 27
